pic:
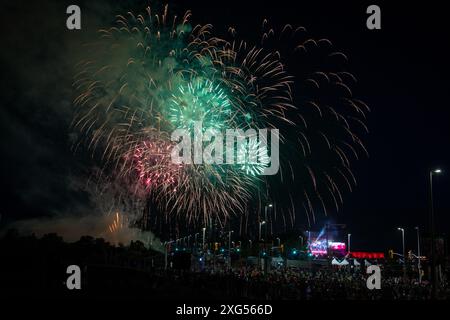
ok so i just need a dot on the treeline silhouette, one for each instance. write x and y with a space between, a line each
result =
38 266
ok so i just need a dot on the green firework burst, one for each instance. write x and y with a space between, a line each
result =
199 100
253 157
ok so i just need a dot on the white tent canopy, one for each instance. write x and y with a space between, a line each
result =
335 262
344 262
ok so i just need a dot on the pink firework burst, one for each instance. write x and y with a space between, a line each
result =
149 162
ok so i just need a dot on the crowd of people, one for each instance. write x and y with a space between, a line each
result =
30 264
325 284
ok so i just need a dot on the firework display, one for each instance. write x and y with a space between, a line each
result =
153 73
199 100
193 152
117 223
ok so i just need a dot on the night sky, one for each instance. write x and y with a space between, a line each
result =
402 73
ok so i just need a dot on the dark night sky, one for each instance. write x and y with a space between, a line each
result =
402 72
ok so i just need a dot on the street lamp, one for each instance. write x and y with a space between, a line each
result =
279 241
204 233
433 249
260 224
403 246
229 247
270 205
348 242
418 254
301 242
195 239
166 249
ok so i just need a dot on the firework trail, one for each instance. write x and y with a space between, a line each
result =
153 73
117 224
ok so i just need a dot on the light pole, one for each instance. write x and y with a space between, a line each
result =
265 210
348 242
279 241
195 239
165 255
229 248
259 245
265 218
301 242
433 249
204 233
260 224
270 205
404 254
418 254
166 245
